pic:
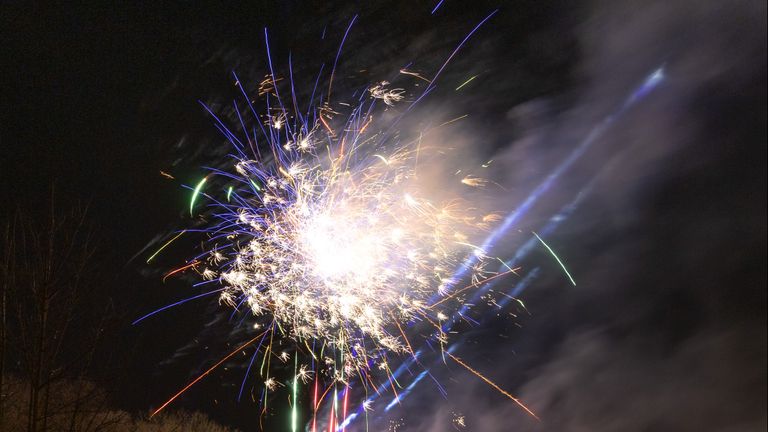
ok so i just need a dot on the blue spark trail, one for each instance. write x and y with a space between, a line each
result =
645 88
437 6
176 304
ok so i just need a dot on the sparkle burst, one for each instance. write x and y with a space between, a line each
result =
341 247
328 236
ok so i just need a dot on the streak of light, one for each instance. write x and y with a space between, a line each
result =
559 261
494 385
437 7
295 401
466 82
407 72
180 269
195 193
211 369
164 246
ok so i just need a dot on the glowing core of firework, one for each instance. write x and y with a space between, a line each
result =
341 246
344 250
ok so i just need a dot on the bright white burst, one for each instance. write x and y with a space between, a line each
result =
330 235
344 245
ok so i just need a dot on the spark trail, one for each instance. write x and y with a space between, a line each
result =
557 258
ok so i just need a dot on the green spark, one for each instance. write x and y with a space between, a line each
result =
559 261
255 185
521 303
294 411
163 246
506 265
195 193
465 83
229 193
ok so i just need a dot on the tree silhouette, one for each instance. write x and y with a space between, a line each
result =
50 330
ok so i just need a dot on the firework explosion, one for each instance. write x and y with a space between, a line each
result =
339 247
327 234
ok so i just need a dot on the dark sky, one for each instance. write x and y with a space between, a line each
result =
666 329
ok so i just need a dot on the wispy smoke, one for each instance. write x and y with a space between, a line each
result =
666 329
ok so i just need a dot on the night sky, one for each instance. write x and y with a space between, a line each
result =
665 233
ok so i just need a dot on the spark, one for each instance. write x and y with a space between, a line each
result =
195 193
176 304
459 421
270 384
165 245
294 411
437 6
304 375
387 95
196 380
415 74
504 264
473 181
466 82
454 120
181 269
383 159
494 385
278 121
559 261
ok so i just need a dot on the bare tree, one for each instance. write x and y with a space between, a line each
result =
6 261
50 331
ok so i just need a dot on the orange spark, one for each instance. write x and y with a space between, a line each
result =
195 381
492 384
180 269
